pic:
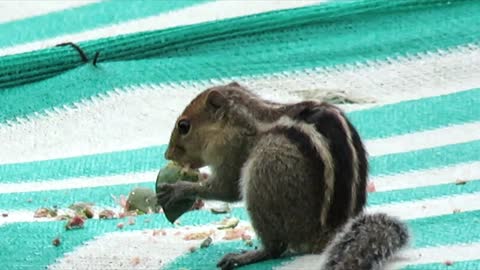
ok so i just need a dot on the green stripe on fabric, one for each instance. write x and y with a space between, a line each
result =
152 158
84 18
457 265
31 242
418 115
317 36
425 158
120 162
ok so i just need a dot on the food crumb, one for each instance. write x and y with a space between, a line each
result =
75 223
192 249
456 210
106 214
371 187
4 214
206 243
136 261
56 242
448 262
232 234
197 235
120 225
460 182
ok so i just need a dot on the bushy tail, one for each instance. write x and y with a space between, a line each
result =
366 243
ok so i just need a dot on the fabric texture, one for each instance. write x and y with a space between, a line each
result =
406 72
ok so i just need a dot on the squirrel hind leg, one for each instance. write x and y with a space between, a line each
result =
234 260
367 242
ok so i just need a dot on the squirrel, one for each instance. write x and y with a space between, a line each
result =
301 169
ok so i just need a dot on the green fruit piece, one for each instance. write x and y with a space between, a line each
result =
142 199
174 172
174 211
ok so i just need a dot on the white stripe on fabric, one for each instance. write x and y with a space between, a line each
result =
63 133
436 176
17 10
422 140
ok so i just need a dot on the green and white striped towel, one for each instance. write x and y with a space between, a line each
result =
71 131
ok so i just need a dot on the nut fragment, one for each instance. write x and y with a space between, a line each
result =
229 223
56 242
460 182
106 214
206 243
197 235
45 212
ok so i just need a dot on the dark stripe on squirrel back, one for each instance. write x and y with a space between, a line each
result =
362 169
327 123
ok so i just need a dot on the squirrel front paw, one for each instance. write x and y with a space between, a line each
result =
169 194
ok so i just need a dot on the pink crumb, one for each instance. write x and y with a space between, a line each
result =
75 222
371 187
448 262
120 225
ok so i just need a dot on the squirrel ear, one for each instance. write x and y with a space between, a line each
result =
234 84
215 99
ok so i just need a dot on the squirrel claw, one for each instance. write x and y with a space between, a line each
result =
229 261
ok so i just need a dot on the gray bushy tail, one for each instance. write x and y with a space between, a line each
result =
366 243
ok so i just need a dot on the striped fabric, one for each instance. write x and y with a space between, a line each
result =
407 73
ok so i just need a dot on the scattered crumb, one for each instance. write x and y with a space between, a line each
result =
206 243
45 213
56 242
232 234
246 237
106 214
456 210
229 223
199 204
248 243
75 223
448 262
120 225
4 214
221 210
135 261
197 235
192 249
371 187
460 182
131 221
158 232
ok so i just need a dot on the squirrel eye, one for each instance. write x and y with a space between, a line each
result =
183 127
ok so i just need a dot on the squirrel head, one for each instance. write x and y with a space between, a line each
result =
206 128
